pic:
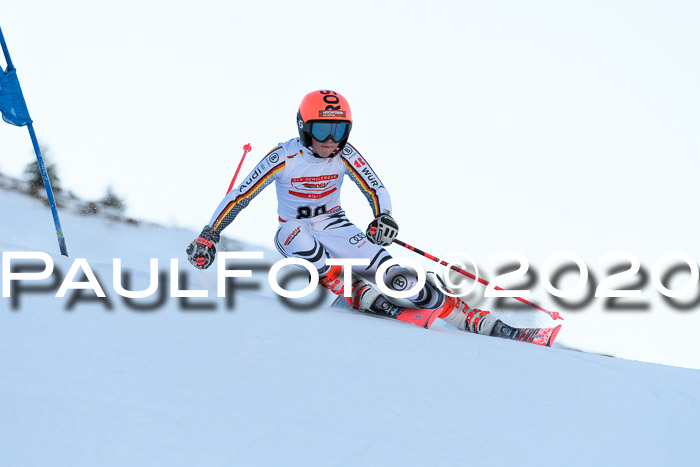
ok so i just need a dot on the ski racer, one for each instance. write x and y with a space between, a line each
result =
308 172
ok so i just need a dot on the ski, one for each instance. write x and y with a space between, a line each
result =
539 336
425 318
415 316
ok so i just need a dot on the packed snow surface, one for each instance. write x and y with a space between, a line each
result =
86 382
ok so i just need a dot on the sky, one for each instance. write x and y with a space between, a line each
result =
497 126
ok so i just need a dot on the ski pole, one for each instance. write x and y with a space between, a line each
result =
554 314
246 150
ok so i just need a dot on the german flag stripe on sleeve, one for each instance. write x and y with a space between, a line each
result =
242 200
369 192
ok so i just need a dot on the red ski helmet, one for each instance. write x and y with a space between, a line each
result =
330 111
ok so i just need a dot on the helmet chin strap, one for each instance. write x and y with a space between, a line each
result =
333 154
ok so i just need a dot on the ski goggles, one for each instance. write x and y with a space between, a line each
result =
323 131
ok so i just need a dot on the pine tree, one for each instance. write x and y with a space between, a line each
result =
36 182
112 201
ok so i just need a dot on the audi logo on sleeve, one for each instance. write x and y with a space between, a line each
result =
357 239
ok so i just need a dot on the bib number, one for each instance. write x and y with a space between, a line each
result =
304 212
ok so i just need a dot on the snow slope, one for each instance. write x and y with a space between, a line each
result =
264 384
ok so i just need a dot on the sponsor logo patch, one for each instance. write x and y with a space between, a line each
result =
319 183
399 282
356 239
332 113
314 185
292 235
321 178
252 179
274 157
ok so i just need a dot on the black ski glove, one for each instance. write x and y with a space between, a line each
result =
382 230
201 252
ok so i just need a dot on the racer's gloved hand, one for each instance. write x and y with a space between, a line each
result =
202 251
382 230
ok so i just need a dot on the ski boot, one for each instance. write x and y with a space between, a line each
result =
458 314
333 279
363 296
368 299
